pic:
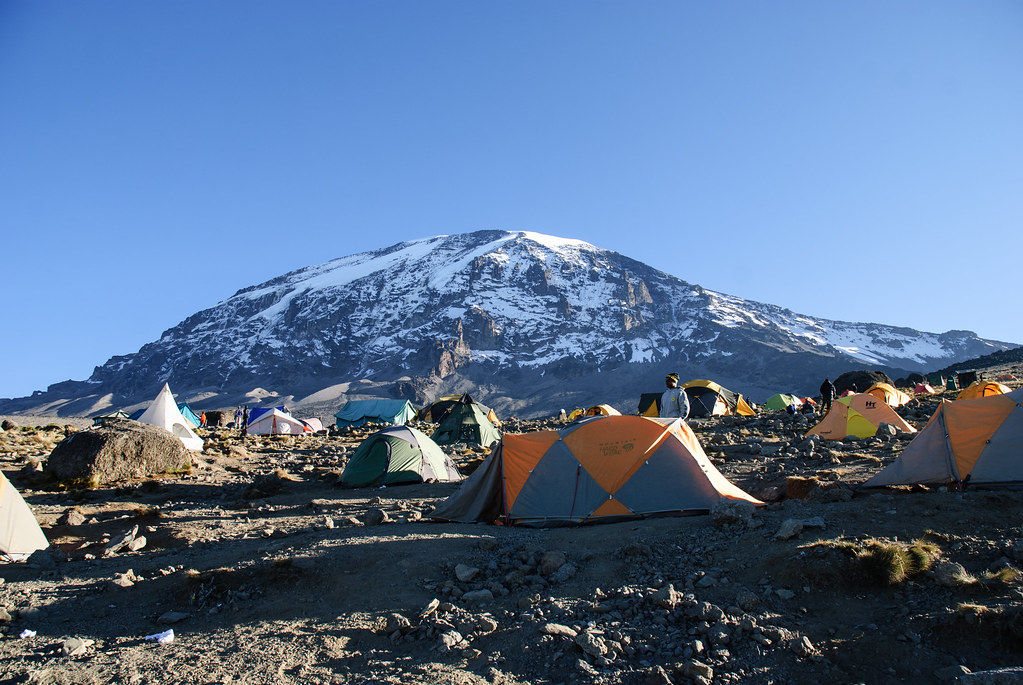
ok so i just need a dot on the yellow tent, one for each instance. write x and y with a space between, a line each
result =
980 440
888 394
983 389
602 410
858 415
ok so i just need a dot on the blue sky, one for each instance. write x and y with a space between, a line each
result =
858 160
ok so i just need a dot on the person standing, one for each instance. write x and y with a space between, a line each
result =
674 401
245 420
827 394
202 420
238 416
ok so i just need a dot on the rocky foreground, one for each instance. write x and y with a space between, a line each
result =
255 568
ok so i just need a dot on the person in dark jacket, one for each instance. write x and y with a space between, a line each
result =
827 394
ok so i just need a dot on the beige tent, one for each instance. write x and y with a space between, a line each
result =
276 422
978 440
163 412
20 534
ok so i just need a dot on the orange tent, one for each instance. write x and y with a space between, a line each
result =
888 394
983 389
597 469
858 415
978 440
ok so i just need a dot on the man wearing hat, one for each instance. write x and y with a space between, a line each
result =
674 401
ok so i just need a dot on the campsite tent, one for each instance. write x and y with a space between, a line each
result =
601 468
256 412
781 400
435 412
20 534
888 394
924 389
276 422
650 404
358 412
707 398
467 423
189 415
858 415
163 412
118 414
602 410
979 440
398 454
983 389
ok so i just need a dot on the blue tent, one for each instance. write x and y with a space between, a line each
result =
189 415
358 412
256 412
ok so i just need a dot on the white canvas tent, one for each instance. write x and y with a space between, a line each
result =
163 412
20 534
276 422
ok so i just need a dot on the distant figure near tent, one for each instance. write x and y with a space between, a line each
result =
674 400
827 395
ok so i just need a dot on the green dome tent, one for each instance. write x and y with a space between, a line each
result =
467 423
781 400
399 454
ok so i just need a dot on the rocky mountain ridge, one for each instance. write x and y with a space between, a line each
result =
527 322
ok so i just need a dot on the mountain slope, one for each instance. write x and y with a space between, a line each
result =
527 321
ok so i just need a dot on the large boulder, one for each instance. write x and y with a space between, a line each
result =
118 450
858 381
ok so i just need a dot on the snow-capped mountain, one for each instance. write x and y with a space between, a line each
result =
527 322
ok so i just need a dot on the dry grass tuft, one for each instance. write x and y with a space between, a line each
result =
880 562
1006 575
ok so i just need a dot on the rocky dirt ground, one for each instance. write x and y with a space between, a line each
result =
266 572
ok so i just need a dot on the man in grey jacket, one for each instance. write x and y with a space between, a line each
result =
674 401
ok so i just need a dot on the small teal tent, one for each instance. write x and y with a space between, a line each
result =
189 415
358 412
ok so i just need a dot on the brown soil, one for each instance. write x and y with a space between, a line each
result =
278 579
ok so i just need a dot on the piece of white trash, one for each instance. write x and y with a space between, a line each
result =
164 638
27 634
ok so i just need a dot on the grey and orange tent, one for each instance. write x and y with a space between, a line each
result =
978 440
860 415
983 389
707 398
598 469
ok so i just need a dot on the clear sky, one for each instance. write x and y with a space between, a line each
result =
858 160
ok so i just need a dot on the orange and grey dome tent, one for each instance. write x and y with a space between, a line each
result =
888 394
979 440
860 415
597 469
707 398
983 389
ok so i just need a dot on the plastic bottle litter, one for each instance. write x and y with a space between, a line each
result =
25 634
164 638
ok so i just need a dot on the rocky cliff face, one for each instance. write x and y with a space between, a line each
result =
527 321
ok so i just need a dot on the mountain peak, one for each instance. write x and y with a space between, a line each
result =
529 322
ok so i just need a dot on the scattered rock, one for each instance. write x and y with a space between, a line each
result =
789 529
